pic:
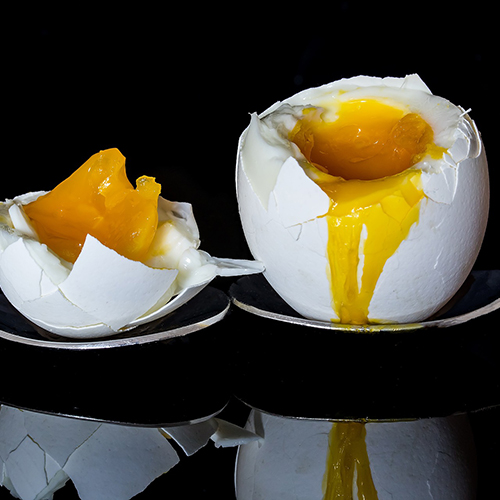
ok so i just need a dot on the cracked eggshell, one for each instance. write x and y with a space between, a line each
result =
103 293
282 210
428 459
40 452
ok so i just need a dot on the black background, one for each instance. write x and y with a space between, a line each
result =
172 87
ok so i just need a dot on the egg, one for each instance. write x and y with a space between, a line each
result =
366 199
432 458
95 256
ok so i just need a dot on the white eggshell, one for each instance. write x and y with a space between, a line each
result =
102 460
119 462
282 209
103 292
31 472
93 286
191 438
440 251
40 452
229 435
430 459
58 436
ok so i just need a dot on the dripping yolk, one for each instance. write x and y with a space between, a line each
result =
362 161
98 199
348 466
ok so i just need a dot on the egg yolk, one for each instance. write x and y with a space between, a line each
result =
362 161
347 462
98 199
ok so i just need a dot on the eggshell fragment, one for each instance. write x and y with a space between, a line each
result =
114 303
430 459
191 438
229 435
119 462
282 209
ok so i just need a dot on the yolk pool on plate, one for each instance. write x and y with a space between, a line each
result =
348 459
98 199
362 161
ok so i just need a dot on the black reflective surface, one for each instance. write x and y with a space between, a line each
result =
479 295
206 308
293 370
155 383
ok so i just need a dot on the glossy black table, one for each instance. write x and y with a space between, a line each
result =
158 375
176 370
259 353
290 366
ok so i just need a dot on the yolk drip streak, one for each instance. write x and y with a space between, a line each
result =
348 464
362 162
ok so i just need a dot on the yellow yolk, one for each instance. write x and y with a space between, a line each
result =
98 199
368 140
363 161
347 461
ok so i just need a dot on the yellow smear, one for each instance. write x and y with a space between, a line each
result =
363 161
98 199
347 464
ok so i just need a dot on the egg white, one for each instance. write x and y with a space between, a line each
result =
103 293
282 210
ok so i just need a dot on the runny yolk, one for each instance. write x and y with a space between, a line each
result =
98 199
347 463
363 161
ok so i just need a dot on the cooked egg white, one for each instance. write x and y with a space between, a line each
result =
95 256
366 199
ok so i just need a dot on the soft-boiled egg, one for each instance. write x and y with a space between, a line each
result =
95 256
427 459
366 199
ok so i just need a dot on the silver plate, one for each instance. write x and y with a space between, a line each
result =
480 295
206 308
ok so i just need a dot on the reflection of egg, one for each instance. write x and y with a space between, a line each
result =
366 199
304 459
96 291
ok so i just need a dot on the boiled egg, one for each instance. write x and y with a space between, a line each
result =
366 199
428 459
96 256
